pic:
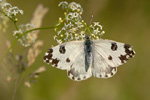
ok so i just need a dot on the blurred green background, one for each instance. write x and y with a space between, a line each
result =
127 21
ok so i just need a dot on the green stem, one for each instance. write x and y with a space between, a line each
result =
15 25
6 15
89 30
42 28
10 19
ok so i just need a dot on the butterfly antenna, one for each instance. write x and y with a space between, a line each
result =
91 20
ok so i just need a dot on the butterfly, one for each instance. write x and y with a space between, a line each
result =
85 58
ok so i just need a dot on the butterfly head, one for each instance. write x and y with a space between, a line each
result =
87 37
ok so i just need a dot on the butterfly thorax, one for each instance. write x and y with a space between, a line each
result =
88 53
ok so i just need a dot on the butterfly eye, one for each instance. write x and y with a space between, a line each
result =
87 37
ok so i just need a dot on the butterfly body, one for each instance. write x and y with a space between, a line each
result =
82 59
88 53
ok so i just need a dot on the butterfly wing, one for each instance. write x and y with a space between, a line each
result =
62 56
108 55
77 70
69 56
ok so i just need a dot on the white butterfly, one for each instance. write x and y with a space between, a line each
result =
81 59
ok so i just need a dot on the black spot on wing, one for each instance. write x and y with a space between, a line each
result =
129 53
100 75
113 70
106 75
69 72
114 46
55 62
74 74
67 60
48 56
62 49
73 77
79 78
129 50
110 72
110 57
50 51
84 77
123 58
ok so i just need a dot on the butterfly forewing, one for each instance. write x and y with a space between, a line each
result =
62 56
107 55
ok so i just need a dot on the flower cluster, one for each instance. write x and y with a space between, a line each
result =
72 27
9 10
96 30
36 21
27 39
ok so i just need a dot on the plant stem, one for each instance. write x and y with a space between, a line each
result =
6 15
10 19
16 86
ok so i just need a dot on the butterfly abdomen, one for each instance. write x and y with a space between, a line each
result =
88 53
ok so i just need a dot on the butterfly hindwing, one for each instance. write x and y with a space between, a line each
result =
101 68
108 55
77 70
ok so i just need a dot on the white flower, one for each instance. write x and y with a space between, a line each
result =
55 37
27 39
6 5
79 24
8 9
74 27
82 35
17 32
96 31
21 12
67 34
73 30
59 41
64 4
59 32
97 24
82 32
76 14
65 25
74 6
15 12
69 16
70 25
